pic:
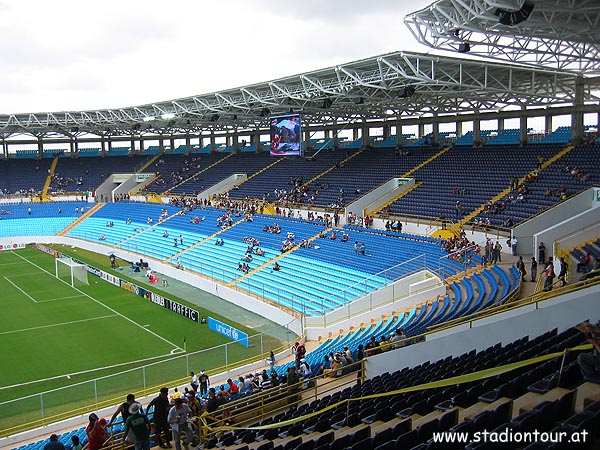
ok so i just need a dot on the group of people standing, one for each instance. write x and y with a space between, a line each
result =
548 271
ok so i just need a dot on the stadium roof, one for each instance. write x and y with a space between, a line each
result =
397 84
562 34
546 47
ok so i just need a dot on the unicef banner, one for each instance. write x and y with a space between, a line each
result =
228 330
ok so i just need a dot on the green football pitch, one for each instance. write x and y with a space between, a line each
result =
68 343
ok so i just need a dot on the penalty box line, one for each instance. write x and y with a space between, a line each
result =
30 297
21 330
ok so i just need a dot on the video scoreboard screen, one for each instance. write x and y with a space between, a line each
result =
285 135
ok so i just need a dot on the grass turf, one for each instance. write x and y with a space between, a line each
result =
57 338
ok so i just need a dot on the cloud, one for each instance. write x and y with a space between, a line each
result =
332 11
68 54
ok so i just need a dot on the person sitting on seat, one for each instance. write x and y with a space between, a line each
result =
589 363
582 265
345 237
276 266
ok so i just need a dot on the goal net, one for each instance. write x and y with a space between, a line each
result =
71 272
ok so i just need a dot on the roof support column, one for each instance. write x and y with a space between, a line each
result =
40 146
577 118
235 142
398 133
256 135
172 142
476 130
354 134
523 129
188 143
307 139
387 130
132 150
548 124
4 148
75 147
366 140
459 125
161 145
142 143
212 142
334 135
435 137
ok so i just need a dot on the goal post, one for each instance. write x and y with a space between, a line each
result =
73 273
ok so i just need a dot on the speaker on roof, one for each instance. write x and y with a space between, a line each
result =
465 47
515 17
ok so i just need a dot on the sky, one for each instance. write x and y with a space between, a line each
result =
67 55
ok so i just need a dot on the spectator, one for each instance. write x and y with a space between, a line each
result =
549 272
513 244
194 403
96 432
360 355
534 266
271 360
582 265
589 363
305 370
521 266
541 252
161 424
75 443
398 339
194 383
233 389
54 443
348 355
123 409
562 273
139 423
204 382
178 418
293 386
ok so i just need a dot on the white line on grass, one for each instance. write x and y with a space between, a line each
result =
22 291
17 263
83 372
100 303
23 274
41 301
60 298
57 324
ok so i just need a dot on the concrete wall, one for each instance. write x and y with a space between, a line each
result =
223 186
560 214
373 199
407 293
560 312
